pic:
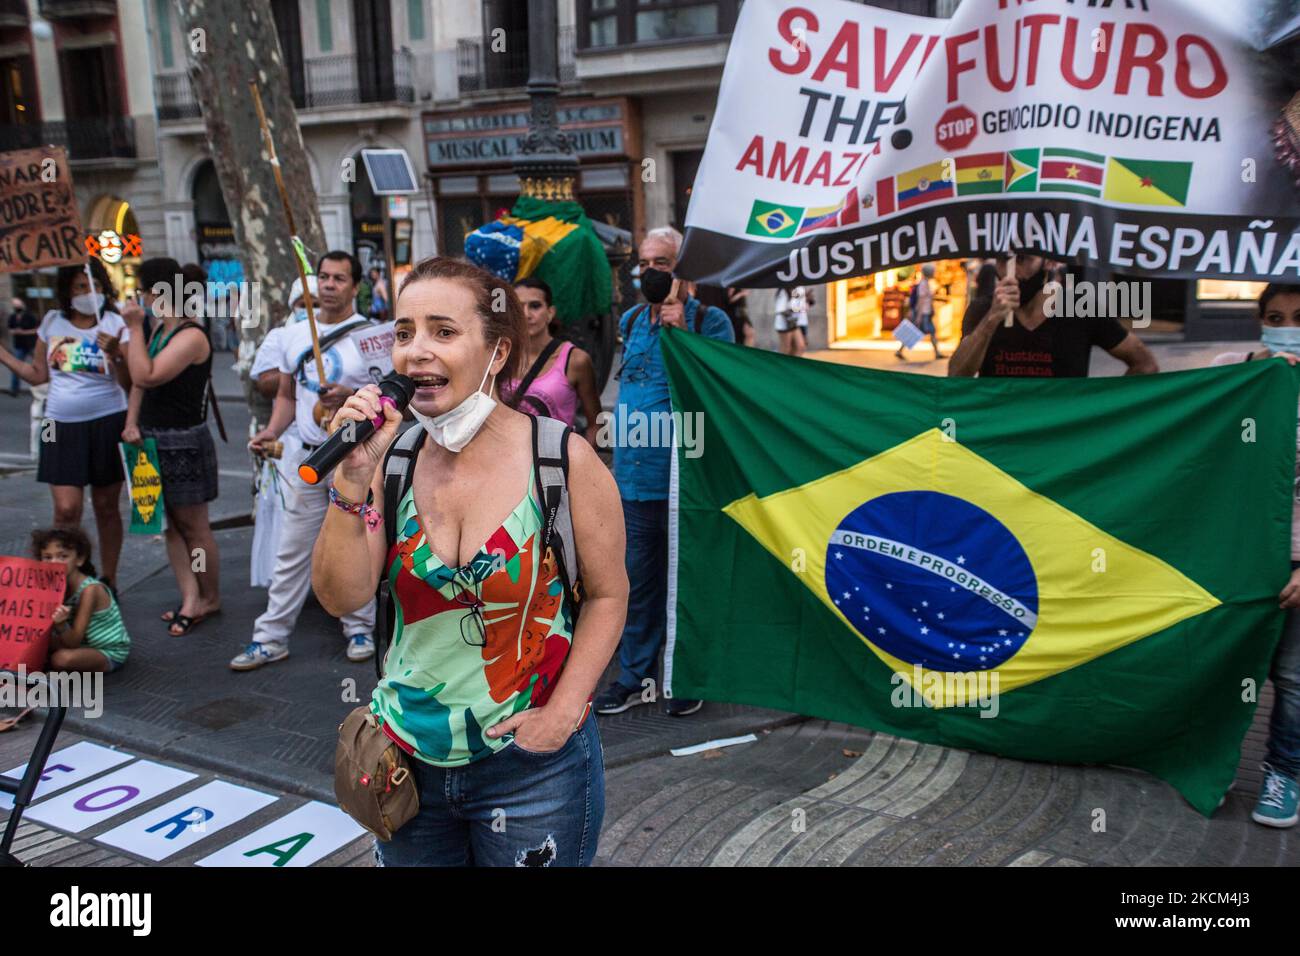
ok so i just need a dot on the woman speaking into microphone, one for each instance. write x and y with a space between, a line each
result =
497 642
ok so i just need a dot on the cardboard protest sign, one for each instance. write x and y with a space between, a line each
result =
375 343
145 478
39 222
1137 138
29 593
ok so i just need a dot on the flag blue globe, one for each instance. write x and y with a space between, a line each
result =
933 580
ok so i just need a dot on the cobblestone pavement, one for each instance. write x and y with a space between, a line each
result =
804 793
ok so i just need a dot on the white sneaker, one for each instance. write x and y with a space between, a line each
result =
361 647
255 655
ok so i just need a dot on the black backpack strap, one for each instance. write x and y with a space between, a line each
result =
522 388
699 315
399 471
551 476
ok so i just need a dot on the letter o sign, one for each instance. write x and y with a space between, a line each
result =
130 793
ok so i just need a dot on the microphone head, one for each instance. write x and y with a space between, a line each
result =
400 388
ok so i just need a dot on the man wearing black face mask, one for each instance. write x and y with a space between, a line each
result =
641 464
1016 338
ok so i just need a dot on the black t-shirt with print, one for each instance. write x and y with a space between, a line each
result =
1061 347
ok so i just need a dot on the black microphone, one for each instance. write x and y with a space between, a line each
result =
395 390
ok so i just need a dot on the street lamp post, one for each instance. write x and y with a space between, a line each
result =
546 164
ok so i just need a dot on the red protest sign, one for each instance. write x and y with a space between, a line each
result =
29 593
39 222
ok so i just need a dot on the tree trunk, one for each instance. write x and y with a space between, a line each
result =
228 44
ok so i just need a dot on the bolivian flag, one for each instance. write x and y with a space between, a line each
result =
1051 570
1147 182
980 173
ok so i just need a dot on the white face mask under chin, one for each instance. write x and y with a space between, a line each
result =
454 429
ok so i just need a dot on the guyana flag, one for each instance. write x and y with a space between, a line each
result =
1073 571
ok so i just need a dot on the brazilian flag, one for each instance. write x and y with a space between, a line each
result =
554 241
1074 571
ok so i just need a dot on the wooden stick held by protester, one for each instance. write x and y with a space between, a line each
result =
293 231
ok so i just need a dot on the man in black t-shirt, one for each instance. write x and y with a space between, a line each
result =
1011 336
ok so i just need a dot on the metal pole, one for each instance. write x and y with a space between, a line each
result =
388 257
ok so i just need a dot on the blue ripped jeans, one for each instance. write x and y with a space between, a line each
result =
514 808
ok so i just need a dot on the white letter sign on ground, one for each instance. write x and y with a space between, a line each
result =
300 838
108 796
1019 131
180 823
68 766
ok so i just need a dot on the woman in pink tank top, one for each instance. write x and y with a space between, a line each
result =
566 378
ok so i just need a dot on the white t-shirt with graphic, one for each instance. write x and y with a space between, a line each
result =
82 384
343 365
270 354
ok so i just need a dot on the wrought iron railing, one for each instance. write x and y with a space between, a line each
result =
347 80
67 9
174 97
500 64
102 137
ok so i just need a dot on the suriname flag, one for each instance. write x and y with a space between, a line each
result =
1075 571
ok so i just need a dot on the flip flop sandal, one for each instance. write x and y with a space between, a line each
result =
187 623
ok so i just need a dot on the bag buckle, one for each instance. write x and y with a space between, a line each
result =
398 776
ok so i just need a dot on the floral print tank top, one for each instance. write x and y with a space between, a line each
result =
447 677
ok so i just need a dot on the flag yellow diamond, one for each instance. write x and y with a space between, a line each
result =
941 562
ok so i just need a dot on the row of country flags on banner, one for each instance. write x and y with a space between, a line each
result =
1138 182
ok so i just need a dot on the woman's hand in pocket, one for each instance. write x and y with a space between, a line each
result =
538 729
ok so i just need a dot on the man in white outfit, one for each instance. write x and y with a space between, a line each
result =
303 401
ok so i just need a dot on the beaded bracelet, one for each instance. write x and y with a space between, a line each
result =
370 515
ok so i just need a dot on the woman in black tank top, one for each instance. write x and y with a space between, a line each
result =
171 370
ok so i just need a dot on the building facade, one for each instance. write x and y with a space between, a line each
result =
360 72
71 75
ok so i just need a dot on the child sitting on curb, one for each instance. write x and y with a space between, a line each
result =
88 632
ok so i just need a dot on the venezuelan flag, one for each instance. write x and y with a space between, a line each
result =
848 550
980 173
922 185
823 217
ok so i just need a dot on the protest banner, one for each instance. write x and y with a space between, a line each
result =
1139 138
29 593
375 343
145 477
39 222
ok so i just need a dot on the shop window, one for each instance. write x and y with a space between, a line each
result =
1228 290
864 311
